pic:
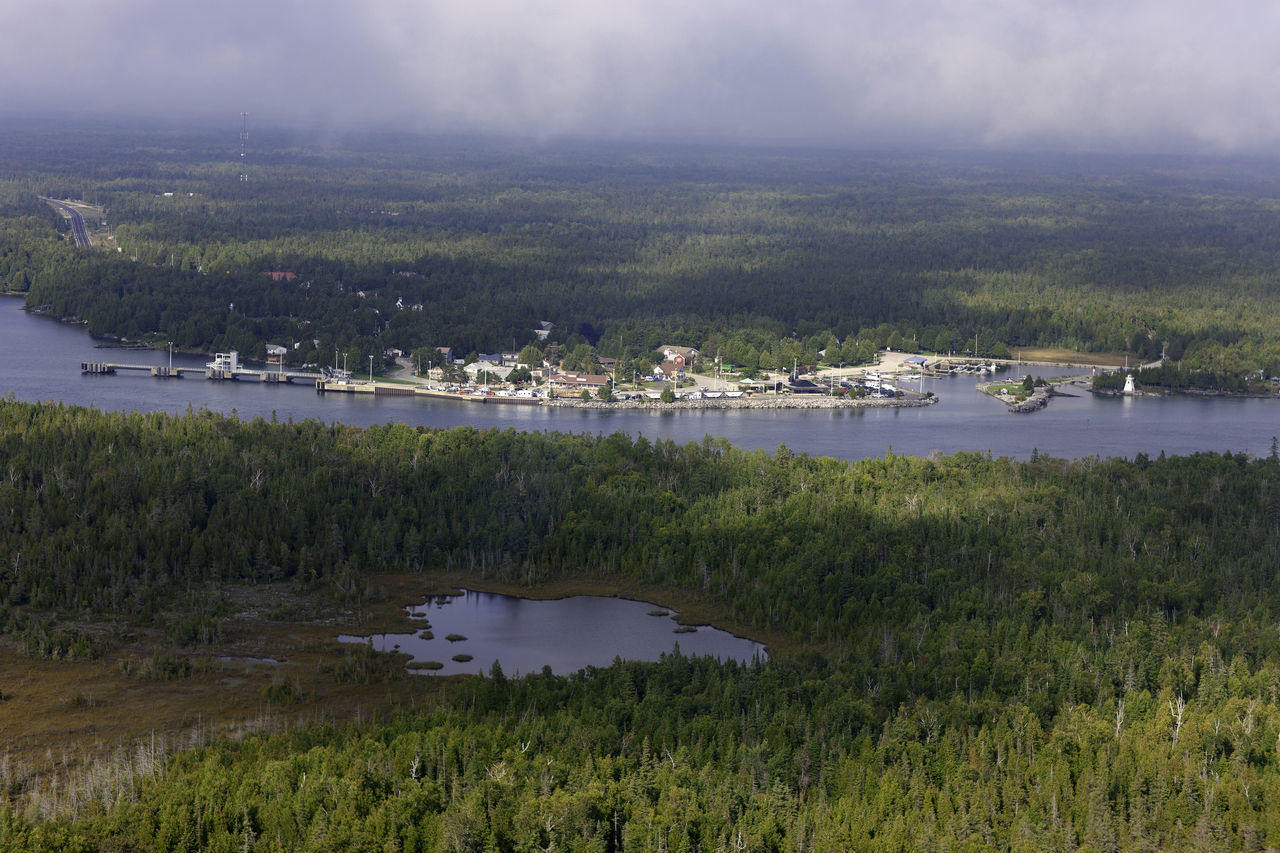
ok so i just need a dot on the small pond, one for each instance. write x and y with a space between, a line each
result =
566 634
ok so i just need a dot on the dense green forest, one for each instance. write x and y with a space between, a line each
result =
970 652
764 256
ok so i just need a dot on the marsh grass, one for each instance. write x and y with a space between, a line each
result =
145 699
425 664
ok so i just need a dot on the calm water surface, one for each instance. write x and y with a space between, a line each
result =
41 361
566 634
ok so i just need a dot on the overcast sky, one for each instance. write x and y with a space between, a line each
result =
1069 74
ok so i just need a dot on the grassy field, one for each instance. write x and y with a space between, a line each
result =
1053 355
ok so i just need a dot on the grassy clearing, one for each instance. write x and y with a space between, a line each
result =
63 719
1006 389
1054 355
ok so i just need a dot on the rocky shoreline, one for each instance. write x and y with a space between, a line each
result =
1038 400
788 402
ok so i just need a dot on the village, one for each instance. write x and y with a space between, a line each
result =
682 379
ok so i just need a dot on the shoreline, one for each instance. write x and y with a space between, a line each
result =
1186 392
1034 402
786 402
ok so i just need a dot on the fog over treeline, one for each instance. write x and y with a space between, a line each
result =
1141 76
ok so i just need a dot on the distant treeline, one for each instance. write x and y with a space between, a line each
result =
761 256
973 651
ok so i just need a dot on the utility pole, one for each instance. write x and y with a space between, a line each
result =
244 137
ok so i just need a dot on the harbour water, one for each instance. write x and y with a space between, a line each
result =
41 362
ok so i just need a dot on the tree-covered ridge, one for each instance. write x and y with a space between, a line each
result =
115 510
754 253
972 652
696 755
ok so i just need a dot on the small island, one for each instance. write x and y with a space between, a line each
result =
1029 394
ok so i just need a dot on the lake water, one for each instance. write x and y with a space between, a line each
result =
566 634
41 361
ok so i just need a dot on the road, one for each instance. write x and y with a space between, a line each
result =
78 230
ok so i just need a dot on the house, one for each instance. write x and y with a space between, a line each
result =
575 382
447 352
669 371
680 355
282 276
804 386
916 361
394 352
475 368
544 329
511 357
608 365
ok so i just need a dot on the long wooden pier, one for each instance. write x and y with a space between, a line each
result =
164 371
323 384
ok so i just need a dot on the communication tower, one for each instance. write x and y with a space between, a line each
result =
244 137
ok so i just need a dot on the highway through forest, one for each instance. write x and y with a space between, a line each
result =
78 230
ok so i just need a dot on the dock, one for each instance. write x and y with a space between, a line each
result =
227 367
164 371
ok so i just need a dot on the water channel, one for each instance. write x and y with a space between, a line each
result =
41 362
565 634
